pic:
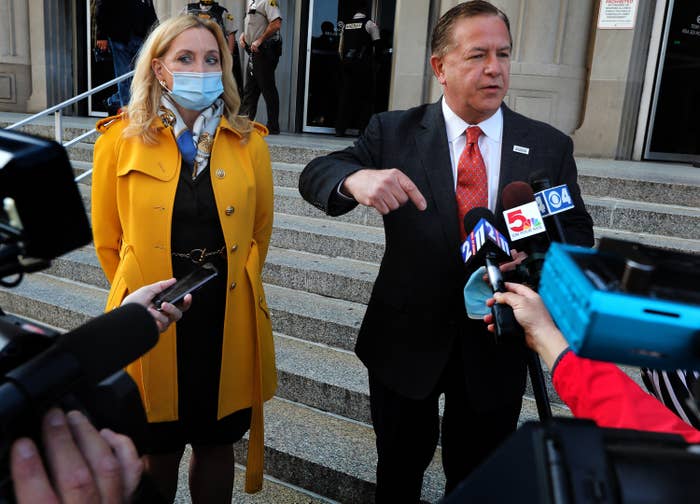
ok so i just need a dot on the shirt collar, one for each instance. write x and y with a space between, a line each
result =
455 125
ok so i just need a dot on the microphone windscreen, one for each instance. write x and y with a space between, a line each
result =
107 343
515 194
539 181
474 215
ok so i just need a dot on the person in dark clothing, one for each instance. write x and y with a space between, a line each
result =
122 25
358 39
423 169
210 9
261 40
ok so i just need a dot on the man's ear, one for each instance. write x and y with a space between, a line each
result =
436 64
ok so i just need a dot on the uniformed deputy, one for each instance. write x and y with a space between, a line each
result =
358 38
261 40
209 9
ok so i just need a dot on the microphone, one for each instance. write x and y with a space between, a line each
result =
485 242
551 201
483 237
526 229
84 356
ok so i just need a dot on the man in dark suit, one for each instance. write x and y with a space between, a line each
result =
416 339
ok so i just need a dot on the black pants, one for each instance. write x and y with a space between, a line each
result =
261 79
356 100
407 434
237 70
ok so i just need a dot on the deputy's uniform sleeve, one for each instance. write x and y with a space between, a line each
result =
229 25
272 10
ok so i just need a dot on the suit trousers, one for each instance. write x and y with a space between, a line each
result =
407 432
261 79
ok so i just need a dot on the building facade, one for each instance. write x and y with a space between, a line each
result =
611 73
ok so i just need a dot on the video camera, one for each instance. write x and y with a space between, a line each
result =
43 217
625 303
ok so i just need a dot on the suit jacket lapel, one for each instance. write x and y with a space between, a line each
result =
434 154
515 165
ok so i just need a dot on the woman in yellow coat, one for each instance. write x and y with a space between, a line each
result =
181 179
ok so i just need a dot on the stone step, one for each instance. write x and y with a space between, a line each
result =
650 218
322 377
666 242
333 277
273 491
327 454
333 238
58 302
313 318
289 201
663 183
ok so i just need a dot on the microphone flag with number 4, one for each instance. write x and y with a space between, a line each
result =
554 200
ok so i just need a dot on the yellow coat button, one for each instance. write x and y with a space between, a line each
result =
233 285
220 173
229 210
234 247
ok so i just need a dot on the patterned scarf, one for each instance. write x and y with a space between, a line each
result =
195 145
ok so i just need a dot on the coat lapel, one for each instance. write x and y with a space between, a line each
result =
516 152
434 154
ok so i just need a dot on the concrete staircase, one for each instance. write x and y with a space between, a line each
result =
318 278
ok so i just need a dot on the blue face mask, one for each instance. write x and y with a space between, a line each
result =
195 90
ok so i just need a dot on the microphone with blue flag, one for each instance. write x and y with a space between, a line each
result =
484 242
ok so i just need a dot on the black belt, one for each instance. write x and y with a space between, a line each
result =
198 255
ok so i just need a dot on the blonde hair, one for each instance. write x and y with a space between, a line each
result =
146 91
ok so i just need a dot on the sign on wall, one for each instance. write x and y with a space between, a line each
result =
617 14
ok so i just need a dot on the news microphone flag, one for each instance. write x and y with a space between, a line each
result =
523 221
483 231
554 200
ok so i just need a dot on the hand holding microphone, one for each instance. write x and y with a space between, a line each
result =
485 242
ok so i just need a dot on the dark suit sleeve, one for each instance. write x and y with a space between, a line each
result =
577 223
318 183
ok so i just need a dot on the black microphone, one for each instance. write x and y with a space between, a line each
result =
540 183
526 226
526 229
84 356
485 242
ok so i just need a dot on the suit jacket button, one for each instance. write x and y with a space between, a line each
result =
234 247
220 173
233 285
229 210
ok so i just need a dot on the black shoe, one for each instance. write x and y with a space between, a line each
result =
273 131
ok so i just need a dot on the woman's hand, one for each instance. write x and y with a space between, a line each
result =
168 313
541 334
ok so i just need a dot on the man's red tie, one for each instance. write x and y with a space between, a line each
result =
472 184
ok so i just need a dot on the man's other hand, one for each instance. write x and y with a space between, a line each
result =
384 190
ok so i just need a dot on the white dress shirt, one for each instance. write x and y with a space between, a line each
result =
489 145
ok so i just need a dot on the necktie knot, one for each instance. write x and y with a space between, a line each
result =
473 134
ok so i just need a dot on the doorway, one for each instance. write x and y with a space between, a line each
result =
322 79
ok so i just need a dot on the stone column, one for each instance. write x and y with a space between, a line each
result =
15 60
411 53
614 90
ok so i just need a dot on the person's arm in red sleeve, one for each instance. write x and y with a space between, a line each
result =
602 392
596 390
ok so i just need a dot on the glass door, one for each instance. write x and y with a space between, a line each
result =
323 78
